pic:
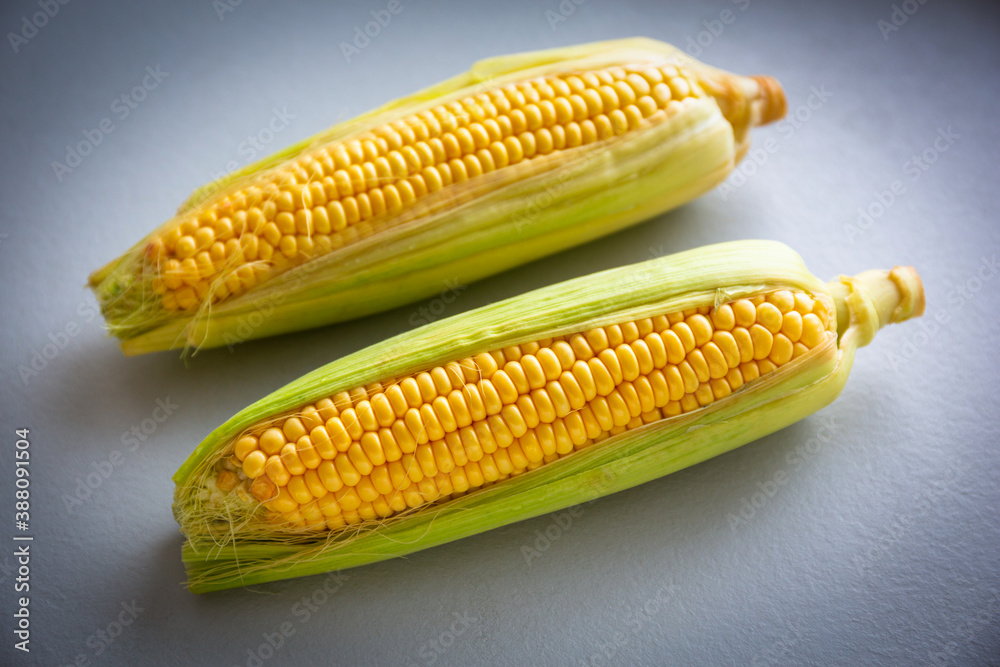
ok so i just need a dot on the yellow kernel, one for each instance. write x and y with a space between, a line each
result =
371 445
217 252
283 502
661 94
781 350
186 247
322 442
304 222
288 246
602 379
293 429
804 303
812 331
308 453
717 364
769 317
723 318
272 440
390 446
762 342
700 365
783 299
619 121
628 362
290 458
204 237
633 116
791 326
688 376
329 476
670 343
744 343
275 470
647 106
338 433
727 344
298 490
253 464
348 474
637 84
244 446
684 335
272 234
701 328
350 418
766 366
593 101
602 127
269 210
680 87
744 312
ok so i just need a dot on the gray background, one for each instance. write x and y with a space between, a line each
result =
880 546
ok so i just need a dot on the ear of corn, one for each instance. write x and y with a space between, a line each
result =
520 157
520 408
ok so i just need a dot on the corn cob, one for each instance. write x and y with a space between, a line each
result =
523 156
520 408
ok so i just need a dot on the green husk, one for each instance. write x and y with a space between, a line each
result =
472 230
217 559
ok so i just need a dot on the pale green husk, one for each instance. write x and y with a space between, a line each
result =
464 232
707 275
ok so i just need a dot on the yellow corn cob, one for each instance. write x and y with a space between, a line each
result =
602 380
523 156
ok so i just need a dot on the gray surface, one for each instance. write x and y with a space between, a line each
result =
880 548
